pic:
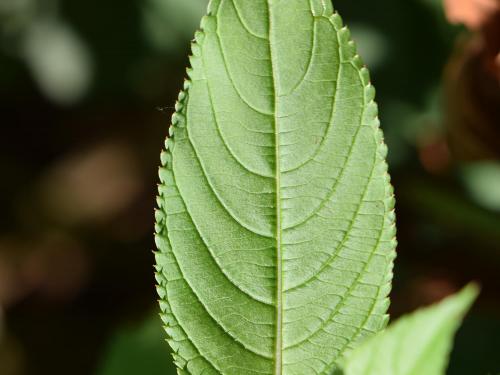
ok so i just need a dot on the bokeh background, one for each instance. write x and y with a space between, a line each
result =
86 93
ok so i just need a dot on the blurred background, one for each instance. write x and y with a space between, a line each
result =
86 93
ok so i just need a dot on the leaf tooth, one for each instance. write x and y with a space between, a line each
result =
365 75
161 242
384 304
386 287
169 319
394 240
385 321
348 46
371 117
159 216
370 92
189 71
167 175
196 50
166 158
379 135
171 332
390 203
158 276
177 119
391 188
161 291
391 216
175 346
179 361
357 60
158 227
208 23
161 261
169 144
157 269
391 232
179 105
337 21
383 151
165 308
212 6
199 36
159 202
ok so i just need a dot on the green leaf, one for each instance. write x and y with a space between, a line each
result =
416 344
137 350
275 225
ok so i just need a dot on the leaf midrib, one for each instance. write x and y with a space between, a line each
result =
278 367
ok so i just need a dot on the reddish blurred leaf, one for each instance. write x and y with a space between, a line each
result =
473 81
472 13
93 185
473 105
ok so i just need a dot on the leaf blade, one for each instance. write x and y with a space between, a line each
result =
278 235
416 344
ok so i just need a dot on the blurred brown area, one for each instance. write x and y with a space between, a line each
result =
473 81
472 13
80 84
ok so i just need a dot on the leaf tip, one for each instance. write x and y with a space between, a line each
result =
469 294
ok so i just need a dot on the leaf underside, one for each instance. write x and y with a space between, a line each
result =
416 344
275 228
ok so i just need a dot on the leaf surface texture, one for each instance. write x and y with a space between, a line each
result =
275 226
